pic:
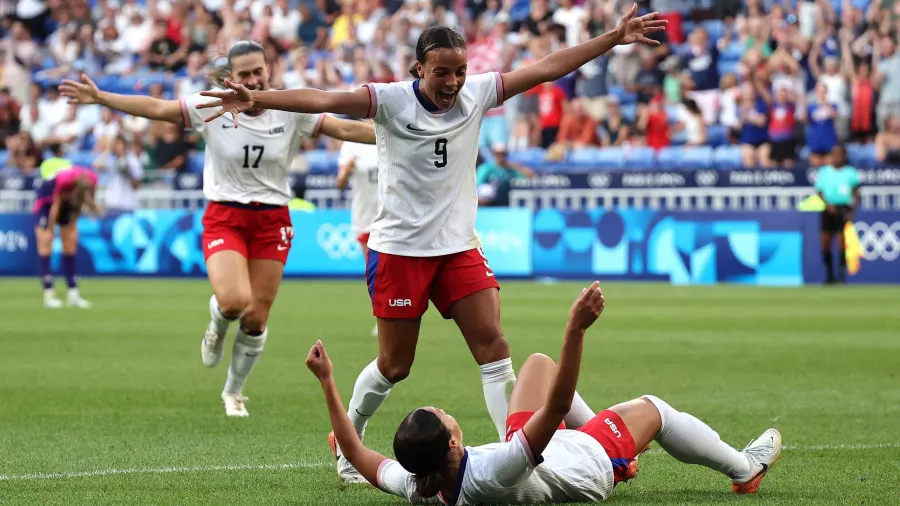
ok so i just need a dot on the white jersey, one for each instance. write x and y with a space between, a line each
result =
364 181
575 468
249 163
426 176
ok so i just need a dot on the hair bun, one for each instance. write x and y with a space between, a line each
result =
428 485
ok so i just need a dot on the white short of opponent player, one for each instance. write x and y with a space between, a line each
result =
358 168
556 449
423 246
247 228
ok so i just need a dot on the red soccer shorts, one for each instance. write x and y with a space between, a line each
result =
255 231
400 287
607 428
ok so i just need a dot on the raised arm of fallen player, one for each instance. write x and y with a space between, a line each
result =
86 92
360 104
365 461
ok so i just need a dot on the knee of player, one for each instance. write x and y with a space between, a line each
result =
254 320
394 373
233 306
538 359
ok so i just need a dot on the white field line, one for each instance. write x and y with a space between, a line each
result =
317 465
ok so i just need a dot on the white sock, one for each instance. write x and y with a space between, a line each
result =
369 392
497 381
580 413
244 354
222 322
691 441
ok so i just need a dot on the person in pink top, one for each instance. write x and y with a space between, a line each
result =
59 202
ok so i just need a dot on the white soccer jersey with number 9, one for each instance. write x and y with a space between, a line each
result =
249 163
426 176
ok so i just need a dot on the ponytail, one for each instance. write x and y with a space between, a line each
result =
421 445
428 485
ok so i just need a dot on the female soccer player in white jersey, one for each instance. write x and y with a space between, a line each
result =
423 243
551 454
246 227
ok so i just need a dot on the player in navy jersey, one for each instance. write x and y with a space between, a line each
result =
422 244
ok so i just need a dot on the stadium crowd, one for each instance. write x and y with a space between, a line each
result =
766 83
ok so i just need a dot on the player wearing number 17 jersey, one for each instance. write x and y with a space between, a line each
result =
423 244
246 226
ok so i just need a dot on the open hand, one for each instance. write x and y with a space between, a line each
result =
235 100
631 29
80 93
318 362
587 307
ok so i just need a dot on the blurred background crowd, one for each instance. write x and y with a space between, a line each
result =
752 83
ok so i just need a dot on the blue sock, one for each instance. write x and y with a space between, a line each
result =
69 271
45 272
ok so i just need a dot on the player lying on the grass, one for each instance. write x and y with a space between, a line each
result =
59 201
551 453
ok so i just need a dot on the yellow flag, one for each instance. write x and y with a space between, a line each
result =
813 203
852 248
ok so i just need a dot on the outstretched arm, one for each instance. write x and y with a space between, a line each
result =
561 63
86 92
543 425
365 461
238 98
348 130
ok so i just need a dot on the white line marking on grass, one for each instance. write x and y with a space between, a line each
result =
318 465
163 470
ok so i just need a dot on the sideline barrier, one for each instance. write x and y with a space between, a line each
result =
765 248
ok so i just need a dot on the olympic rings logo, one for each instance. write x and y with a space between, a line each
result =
879 240
338 241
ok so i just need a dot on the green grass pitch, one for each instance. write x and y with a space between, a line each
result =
113 406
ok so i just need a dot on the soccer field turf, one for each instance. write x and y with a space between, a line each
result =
113 406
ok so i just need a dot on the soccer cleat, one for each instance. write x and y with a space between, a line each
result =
75 300
51 301
763 452
345 469
212 347
234 405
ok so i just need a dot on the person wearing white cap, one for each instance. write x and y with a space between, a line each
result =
493 177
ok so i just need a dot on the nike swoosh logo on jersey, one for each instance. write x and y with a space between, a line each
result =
414 129
228 126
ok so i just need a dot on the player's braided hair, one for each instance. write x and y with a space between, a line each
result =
420 445
435 37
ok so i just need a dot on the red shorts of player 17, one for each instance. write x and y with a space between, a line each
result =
607 428
256 231
400 286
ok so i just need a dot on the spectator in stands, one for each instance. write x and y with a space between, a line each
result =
729 94
886 59
68 133
195 79
577 129
21 56
105 132
887 143
551 99
753 113
783 129
170 150
125 173
24 154
653 122
835 82
521 138
690 121
821 131
571 17
614 130
649 80
862 93
164 54
493 178
10 110
702 62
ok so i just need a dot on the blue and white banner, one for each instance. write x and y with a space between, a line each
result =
764 248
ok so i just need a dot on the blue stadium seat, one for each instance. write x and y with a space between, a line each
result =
672 113
717 134
625 97
584 156
629 112
640 158
532 157
669 158
611 158
732 52
715 27
318 161
4 157
195 163
727 67
678 138
861 155
82 158
804 154
727 157
696 157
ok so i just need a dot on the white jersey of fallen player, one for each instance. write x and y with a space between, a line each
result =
364 181
575 468
426 177
249 163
